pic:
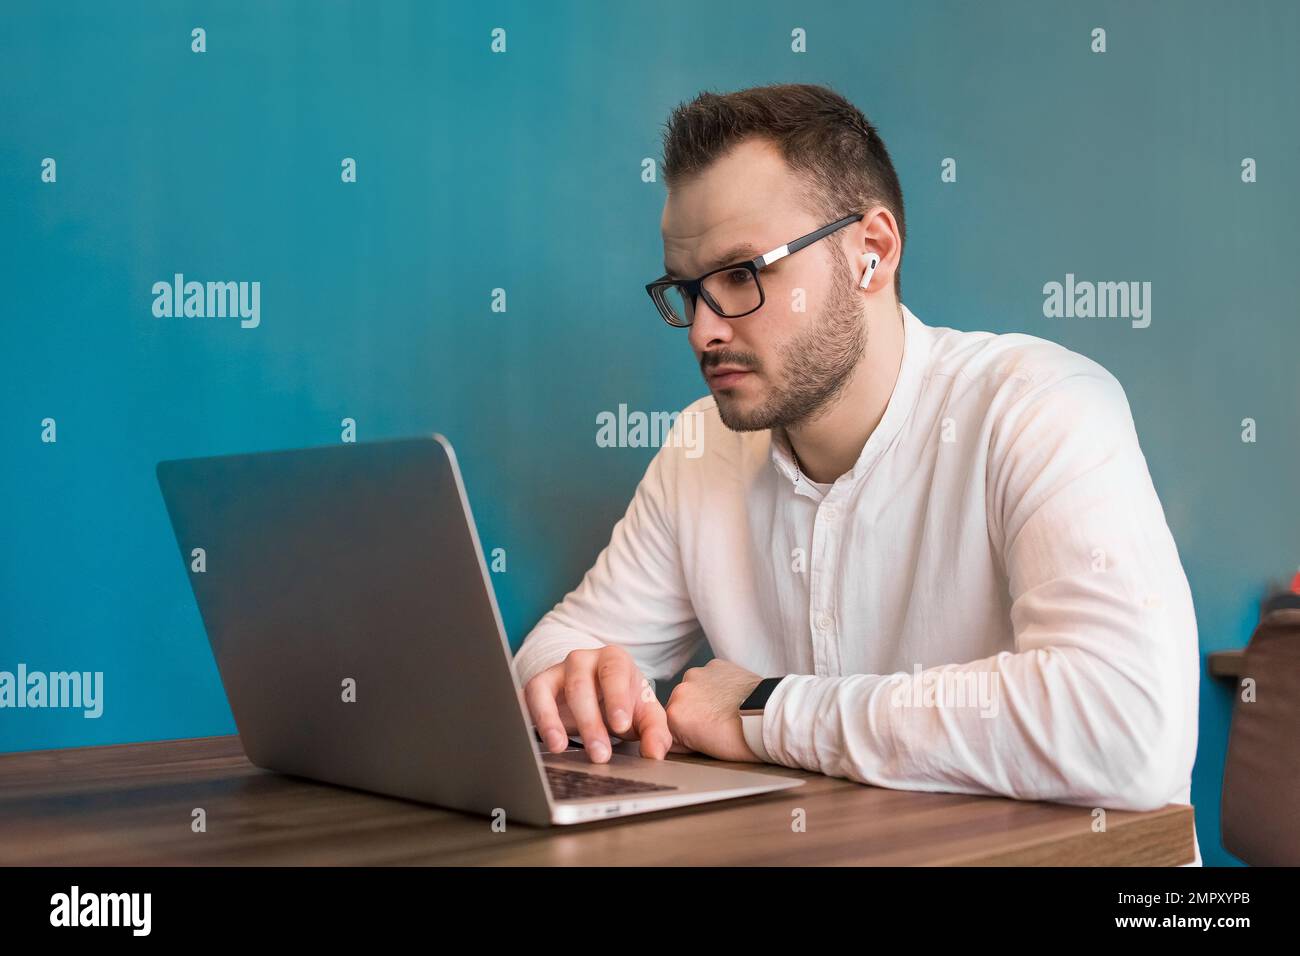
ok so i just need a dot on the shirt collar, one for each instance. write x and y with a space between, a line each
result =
911 376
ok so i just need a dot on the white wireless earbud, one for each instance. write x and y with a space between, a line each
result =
872 260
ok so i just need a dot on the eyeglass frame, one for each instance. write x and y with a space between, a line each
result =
695 288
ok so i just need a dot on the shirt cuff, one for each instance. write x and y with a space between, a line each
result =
804 715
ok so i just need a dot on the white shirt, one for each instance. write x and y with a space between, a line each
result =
999 533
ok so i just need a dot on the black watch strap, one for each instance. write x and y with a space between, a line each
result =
757 699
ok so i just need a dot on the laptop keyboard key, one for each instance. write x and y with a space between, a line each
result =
580 785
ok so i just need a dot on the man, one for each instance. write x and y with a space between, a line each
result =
943 547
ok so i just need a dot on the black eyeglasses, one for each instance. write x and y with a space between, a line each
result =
730 291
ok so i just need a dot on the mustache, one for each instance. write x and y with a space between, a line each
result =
739 359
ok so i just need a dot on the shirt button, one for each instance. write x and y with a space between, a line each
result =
823 622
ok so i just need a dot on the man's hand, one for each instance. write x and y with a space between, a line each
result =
594 693
704 710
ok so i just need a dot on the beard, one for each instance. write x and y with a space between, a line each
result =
814 366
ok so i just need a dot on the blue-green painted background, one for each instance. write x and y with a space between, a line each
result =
522 171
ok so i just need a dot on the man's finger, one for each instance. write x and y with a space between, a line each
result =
616 674
580 695
652 727
540 696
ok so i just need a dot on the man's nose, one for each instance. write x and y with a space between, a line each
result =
708 327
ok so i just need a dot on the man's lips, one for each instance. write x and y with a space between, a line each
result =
726 376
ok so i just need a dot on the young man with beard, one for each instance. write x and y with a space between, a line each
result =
930 559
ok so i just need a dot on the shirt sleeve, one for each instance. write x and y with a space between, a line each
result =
1097 704
635 594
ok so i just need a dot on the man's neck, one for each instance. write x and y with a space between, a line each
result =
831 444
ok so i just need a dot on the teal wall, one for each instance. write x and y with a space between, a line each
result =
522 171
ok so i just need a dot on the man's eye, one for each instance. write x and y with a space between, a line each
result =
739 276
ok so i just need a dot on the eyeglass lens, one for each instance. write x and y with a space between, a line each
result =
729 293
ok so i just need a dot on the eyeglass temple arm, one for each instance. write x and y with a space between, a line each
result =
767 258
780 252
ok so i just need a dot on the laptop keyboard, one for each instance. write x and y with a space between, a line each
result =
579 785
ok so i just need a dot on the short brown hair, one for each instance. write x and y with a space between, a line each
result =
820 134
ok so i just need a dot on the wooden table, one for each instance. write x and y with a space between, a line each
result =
132 804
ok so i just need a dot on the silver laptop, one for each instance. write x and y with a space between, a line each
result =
352 617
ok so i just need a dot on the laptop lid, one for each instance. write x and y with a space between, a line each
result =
348 605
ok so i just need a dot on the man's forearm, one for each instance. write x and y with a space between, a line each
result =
1052 724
